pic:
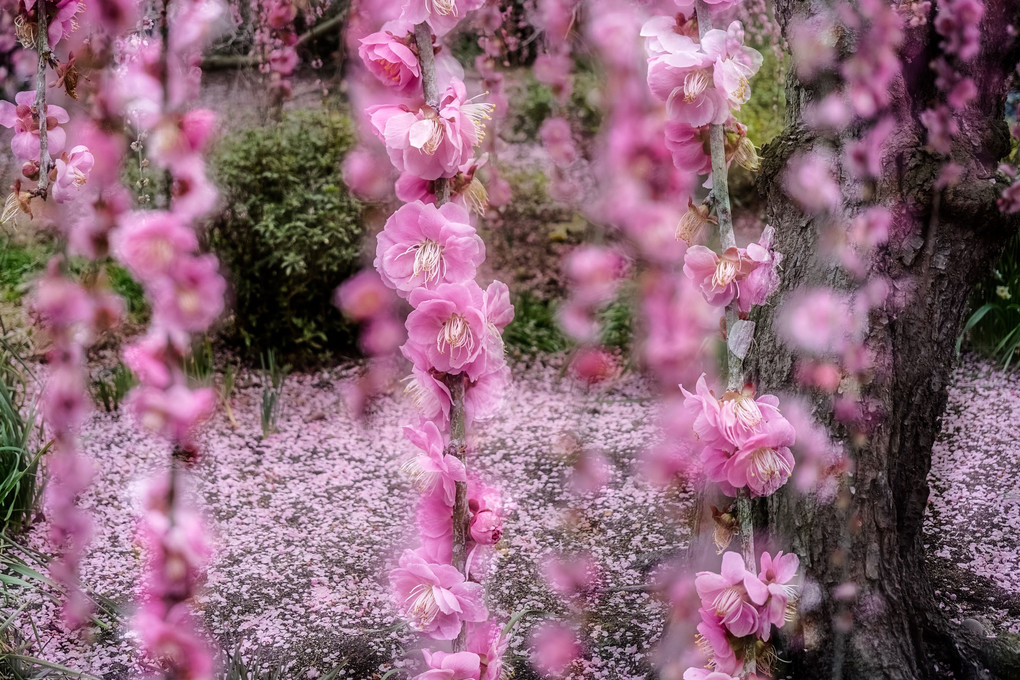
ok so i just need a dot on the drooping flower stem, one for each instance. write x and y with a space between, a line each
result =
427 63
43 47
734 363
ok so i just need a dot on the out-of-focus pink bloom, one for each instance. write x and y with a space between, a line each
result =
367 174
169 637
435 469
19 116
193 194
59 303
875 63
706 674
64 402
174 413
831 113
179 136
813 45
283 60
435 597
448 330
959 22
554 648
575 577
150 359
555 70
591 471
429 395
151 242
578 321
777 573
191 297
732 595
594 365
558 141
942 128
1009 202
72 174
431 143
556 17
382 335
594 273
865 154
388 56
280 14
871 228
363 296
729 421
425 246
718 276
822 322
809 181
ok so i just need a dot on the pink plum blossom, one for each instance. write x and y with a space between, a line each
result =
777 573
734 63
431 143
448 329
718 276
733 595
441 15
763 280
763 462
488 642
554 648
809 181
363 296
174 413
447 666
389 56
425 246
20 117
435 470
72 174
435 597
151 242
191 297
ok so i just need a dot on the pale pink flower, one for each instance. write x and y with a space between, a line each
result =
280 14
706 674
72 174
729 421
555 69
717 276
942 128
440 15
150 359
19 116
486 527
434 519
193 195
367 174
435 597
959 22
488 642
169 636
425 246
813 45
447 666
688 145
431 143
594 273
732 595
448 329
558 141
388 56
822 322
178 136
435 470
763 462
734 63
763 280
715 641
427 393
777 573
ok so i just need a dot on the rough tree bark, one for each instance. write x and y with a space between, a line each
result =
942 244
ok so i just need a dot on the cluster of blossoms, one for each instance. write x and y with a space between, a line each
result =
428 253
745 275
702 81
738 606
276 40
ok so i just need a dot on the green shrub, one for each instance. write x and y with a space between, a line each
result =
994 325
290 234
534 329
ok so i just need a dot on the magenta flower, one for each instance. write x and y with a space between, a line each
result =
714 641
435 469
435 597
422 245
446 666
72 174
151 242
486 527
431 143
435 529
391 60
732 595
448 329
19 116
594 272
777 573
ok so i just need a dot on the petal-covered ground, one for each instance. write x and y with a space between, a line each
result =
309 520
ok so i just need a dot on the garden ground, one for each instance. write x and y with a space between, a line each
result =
309 520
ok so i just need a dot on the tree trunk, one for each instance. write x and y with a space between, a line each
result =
941 245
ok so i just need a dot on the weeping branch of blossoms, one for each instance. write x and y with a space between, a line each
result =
702 74
429 253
